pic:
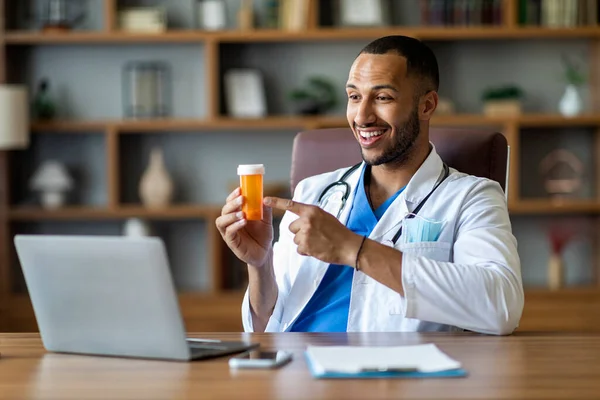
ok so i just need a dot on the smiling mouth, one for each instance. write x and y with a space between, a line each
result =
369 137
370 134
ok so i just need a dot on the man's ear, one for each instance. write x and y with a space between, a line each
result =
427 105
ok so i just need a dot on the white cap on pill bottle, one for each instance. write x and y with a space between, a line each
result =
251 169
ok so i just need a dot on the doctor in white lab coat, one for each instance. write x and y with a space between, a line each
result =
453 266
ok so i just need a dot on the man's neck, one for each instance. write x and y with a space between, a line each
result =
385 180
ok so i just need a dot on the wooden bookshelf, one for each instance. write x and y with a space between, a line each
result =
220 308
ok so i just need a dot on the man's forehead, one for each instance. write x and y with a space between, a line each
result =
390 66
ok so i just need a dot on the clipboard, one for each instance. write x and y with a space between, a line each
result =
452 370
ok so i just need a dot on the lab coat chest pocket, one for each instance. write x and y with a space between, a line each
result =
438 251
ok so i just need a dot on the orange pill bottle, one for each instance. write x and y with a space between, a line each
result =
251 183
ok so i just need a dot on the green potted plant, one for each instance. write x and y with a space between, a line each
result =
502 100
317 97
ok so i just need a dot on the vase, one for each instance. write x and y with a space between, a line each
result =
156 186
570 103
555 272
245 15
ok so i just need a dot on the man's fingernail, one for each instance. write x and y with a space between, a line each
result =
267 201
239 214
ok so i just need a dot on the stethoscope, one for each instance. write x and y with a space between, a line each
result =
336 194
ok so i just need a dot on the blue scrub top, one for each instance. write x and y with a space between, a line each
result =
327 310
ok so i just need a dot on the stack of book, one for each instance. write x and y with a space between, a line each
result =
143 19
559 13
461 12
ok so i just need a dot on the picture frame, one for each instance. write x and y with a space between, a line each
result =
364 13
245 93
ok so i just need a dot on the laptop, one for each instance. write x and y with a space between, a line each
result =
110 296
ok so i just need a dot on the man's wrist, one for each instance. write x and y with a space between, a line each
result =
351 251
268 261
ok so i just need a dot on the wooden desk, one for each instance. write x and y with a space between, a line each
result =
524 366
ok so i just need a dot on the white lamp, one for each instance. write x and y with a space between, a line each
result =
53 181
14 117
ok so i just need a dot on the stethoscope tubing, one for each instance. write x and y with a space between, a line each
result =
342 181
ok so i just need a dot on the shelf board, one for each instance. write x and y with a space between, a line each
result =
421 32
172 212
271 122
324 34
298 122
91 213
27 213
544 206
66 126
552 120
570 291
212 211
100 37
191 124
467 120
163 125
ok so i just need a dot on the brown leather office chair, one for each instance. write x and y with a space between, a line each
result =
482 153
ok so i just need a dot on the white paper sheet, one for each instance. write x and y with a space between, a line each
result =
355 359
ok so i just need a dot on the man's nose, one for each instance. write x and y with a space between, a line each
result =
365 114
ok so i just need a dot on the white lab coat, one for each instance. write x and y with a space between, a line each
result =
469 279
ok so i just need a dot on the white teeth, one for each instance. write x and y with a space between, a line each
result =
367 135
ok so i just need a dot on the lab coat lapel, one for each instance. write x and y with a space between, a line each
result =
312 270
422 182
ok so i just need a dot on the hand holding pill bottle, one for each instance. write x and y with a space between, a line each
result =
251 184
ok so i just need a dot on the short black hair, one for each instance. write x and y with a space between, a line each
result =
420 59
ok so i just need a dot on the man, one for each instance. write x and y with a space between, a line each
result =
453 266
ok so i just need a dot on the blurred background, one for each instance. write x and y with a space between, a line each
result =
130 118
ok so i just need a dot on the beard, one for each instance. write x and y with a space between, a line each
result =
400 152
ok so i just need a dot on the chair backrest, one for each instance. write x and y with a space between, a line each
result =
482 153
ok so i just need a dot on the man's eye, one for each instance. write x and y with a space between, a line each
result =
353 97
385 98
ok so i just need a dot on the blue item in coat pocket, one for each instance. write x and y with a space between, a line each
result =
419 229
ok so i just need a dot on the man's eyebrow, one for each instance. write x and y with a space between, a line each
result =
376 87
379 87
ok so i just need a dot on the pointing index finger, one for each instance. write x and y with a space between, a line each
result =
286 205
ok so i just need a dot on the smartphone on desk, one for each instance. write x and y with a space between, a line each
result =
261 359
